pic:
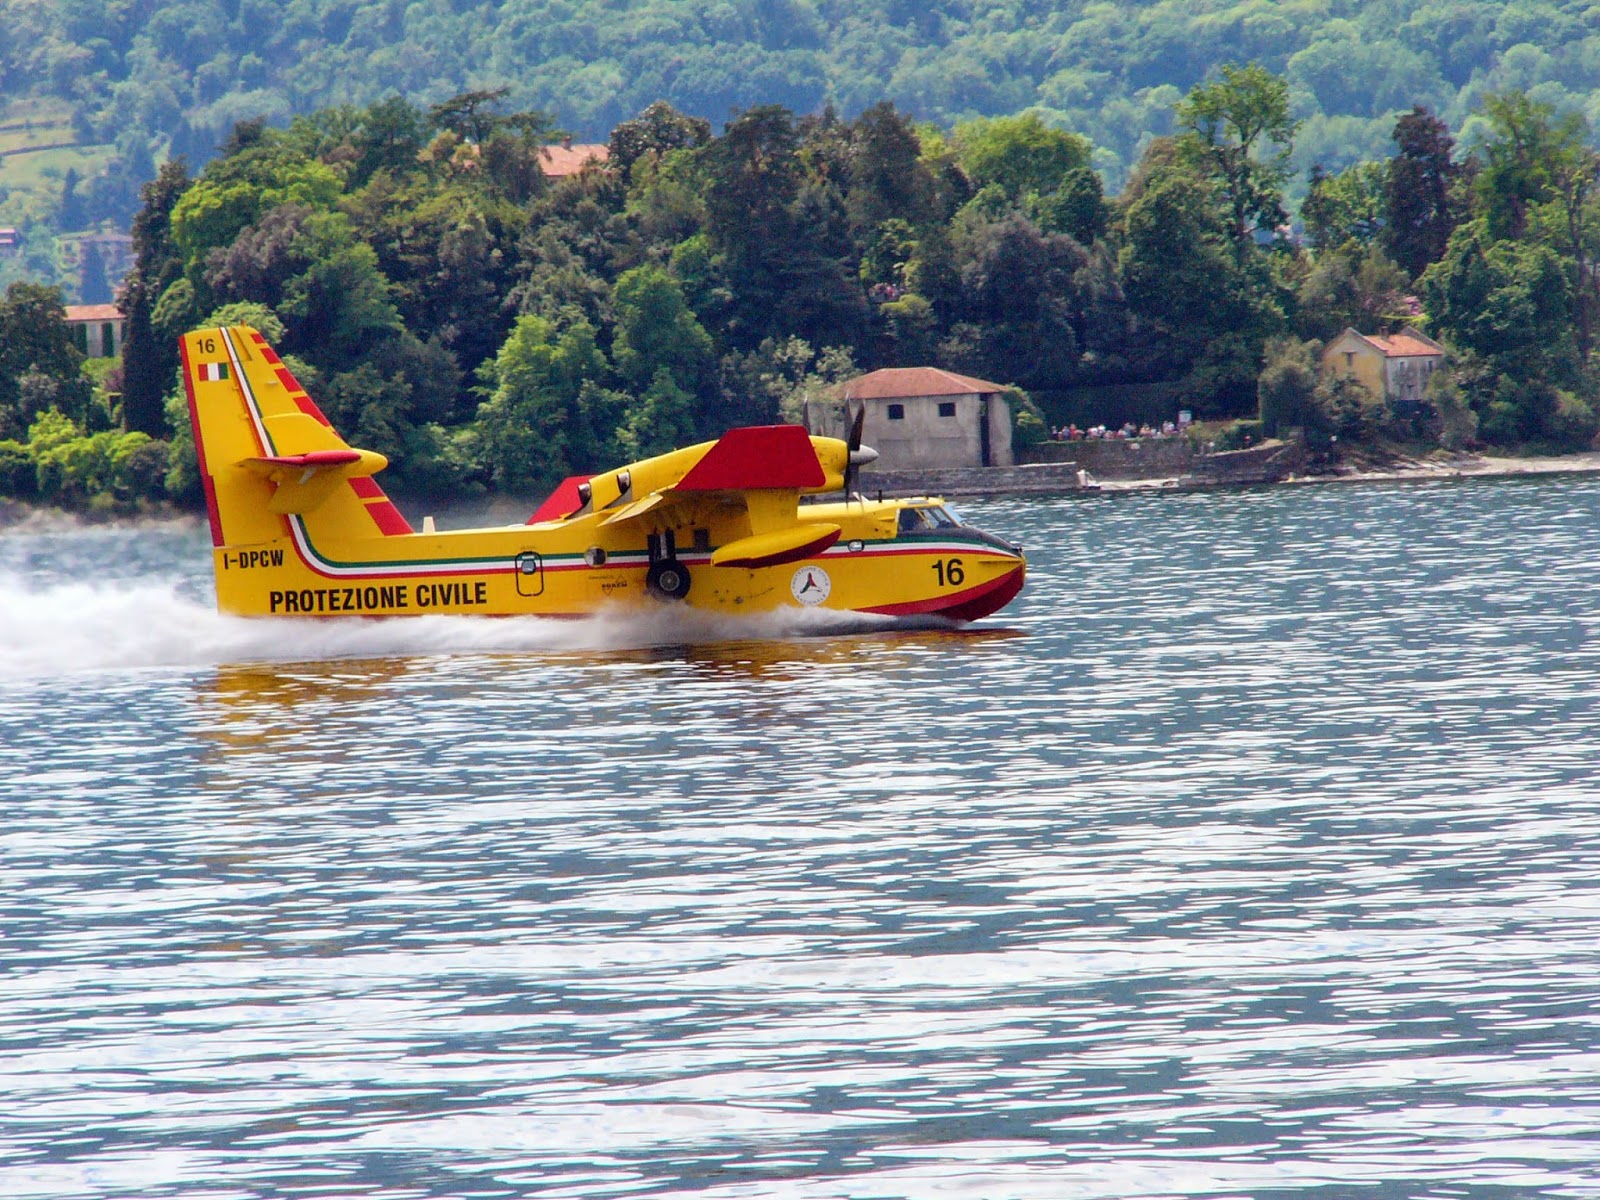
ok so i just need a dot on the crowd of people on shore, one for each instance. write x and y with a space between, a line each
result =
1127 432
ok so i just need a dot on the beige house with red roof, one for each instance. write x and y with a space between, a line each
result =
1394 368
97 328
928 417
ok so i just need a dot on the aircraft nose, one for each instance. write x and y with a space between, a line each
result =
999 543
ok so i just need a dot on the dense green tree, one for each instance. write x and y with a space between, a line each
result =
71 214
1018 303
1507 301
1020 154
1205 309
662 420
753 180
1420 203
656 132
888 181
820 296
1521 159
1243 134
1539 181
389 136
1508 306
784 380
657 331
150 361
40 367
93 287
1077 207
450 256
531 431
1344 207
1353 287
1286 391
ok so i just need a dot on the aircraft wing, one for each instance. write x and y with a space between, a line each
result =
762 468
757 458
635 509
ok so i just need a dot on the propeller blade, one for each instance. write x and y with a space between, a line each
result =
852 470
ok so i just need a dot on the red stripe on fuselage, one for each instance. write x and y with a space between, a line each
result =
206 483
969 605
388 518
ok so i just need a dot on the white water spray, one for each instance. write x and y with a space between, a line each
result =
68 628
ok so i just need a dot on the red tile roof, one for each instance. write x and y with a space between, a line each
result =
93 312
893 383
570 158
1404 345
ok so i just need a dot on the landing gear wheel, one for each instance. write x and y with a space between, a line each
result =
668 579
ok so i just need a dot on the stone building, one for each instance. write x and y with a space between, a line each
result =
1394 369
919 417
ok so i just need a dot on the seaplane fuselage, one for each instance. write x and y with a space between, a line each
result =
301 529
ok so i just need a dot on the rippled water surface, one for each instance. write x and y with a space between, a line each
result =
1252 853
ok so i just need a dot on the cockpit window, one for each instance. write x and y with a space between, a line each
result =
921 520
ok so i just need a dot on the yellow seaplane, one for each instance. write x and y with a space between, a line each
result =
300 528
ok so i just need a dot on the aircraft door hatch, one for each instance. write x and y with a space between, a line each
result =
530 574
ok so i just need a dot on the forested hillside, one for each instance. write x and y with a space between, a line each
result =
481 324
149 77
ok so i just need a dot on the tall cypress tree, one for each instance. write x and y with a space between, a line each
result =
149 363
1420 210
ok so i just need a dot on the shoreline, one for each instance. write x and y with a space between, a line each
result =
19 516
1399 470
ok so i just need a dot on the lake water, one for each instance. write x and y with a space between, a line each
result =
1254 852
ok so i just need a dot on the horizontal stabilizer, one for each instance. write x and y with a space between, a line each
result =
778 547
304 481
313 458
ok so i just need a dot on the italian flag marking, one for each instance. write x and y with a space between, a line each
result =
213 371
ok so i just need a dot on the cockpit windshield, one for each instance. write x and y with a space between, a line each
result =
926 518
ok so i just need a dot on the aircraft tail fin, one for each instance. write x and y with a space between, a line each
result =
266 452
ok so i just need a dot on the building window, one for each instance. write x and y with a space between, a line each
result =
947 408
897 412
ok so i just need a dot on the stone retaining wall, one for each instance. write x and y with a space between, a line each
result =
1105 461
1113 458
1036 480
1172 458
1266 463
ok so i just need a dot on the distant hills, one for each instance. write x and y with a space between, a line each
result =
136 80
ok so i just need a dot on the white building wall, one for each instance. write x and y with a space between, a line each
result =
923 438
1407 378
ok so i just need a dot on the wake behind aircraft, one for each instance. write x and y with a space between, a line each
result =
300 528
